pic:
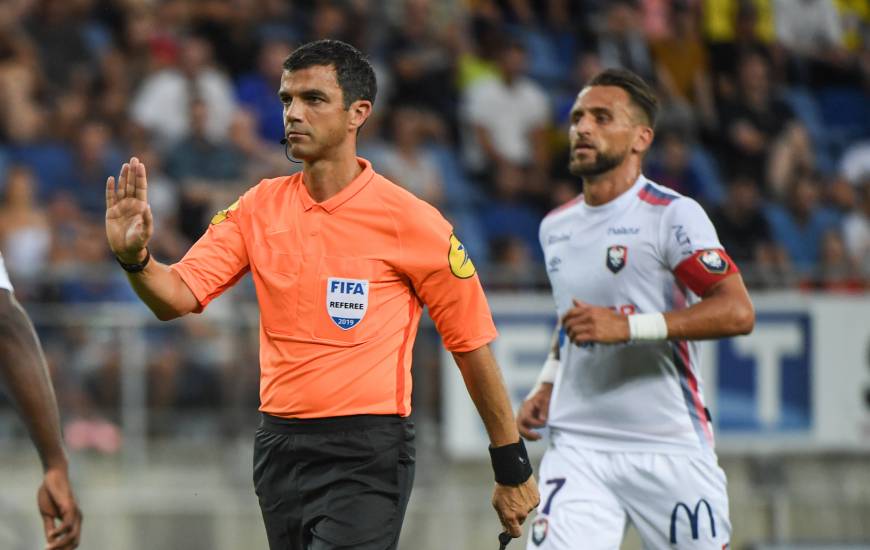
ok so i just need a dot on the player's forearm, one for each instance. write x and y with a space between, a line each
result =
24 374
487 389
163 291
726 311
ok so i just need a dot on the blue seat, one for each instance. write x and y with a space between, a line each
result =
846 114
51 164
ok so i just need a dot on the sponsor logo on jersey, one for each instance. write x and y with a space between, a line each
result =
553 264
623 230
682 239
713 262
558 238
693 519
460 262
347 301
539 530
617 255
222 215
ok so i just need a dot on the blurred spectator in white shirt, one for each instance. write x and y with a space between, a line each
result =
163 102
856 228
25 234
507 117
405 162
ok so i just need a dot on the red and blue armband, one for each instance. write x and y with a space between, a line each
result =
705 268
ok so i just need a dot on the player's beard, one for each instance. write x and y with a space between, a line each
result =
603 162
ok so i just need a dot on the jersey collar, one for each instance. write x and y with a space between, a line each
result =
619 202
333 202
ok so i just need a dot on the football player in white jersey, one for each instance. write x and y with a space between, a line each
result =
638 276
24 376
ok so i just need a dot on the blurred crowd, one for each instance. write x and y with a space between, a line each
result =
765 121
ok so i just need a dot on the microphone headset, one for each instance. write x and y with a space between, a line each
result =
286 145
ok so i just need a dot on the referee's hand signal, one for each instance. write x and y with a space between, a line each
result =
129 224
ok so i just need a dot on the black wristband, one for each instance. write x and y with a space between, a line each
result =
511 463
136 268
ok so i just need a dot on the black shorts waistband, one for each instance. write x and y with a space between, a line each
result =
281 425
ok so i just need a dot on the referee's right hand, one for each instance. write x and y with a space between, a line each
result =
129 224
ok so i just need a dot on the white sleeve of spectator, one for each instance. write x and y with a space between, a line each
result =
833 25
540 112
477 103
4 276
685 229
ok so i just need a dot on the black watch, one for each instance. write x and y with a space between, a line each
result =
136 268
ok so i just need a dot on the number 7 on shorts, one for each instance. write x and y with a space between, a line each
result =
559 482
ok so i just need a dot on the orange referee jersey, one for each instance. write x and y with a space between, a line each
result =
341 285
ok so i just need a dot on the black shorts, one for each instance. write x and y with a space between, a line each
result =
331 483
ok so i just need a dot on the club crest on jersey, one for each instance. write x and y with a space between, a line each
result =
347 301
617 255
460 262
539 530
713 262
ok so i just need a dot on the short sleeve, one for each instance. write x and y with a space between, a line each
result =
685 229
692 248
218 259
444 277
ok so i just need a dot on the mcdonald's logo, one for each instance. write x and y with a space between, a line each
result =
693 519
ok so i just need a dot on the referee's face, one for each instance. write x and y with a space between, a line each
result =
315 120
604 130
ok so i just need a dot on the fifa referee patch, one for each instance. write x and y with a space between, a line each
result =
347 301
222 215
460 262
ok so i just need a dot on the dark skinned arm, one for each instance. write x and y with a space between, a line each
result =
24 375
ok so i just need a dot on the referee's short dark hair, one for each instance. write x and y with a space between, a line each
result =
354 73
640 93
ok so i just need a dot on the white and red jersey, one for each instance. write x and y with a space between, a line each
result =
649 250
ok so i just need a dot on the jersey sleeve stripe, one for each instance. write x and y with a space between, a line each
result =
654 196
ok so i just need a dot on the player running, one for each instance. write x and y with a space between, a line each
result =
638 277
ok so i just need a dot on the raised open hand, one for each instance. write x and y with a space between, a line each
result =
129 224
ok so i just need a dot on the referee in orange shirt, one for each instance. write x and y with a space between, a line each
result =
343 261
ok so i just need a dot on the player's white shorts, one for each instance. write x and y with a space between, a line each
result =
588 497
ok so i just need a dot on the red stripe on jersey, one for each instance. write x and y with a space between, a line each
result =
705 268
685 364
572 202
683 350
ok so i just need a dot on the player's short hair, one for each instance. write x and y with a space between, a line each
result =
640 93
354 73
